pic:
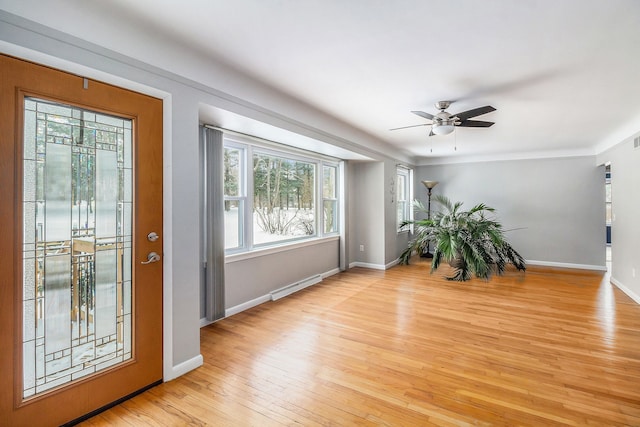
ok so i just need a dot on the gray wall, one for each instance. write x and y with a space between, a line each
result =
625 203
372 207
184 250
554 206
183 99
553 199
390 212
252 278
366 212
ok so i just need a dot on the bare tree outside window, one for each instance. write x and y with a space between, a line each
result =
274 197
284 202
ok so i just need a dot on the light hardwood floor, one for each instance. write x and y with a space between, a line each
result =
405 348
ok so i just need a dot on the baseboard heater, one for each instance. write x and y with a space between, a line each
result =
294 287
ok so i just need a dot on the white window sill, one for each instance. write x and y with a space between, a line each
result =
278 248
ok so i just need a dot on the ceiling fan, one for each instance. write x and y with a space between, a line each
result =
443 123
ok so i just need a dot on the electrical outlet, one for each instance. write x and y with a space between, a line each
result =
361 248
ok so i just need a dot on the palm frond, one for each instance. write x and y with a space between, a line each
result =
474 239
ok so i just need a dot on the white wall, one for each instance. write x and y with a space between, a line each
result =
625 203
554 206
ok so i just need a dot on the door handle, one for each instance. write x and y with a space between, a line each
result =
152 257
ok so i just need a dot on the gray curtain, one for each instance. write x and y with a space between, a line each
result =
213 223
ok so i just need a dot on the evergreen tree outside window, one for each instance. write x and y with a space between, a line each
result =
330 198
273 197
234 197
283 198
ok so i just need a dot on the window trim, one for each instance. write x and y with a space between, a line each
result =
243 191
274 249
335 199
250 209
407 173
253 145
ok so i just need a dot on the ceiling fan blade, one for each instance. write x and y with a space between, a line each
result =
412 126
475 112
423 114
475 124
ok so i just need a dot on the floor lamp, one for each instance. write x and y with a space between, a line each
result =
429 185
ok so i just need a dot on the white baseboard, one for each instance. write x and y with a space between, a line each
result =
367 265
529 262
295 287
375 266
567 265
392 263
626 290
184 367
330 273
246 305
206 322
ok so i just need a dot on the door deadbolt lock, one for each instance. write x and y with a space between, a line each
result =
153 236
151 257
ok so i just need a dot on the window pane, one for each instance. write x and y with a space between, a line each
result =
403 192
329 182
330 216
402 212
608 213
284 198
77 257
402 188
233 220
232 157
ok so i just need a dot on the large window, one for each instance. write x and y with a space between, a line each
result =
404 193
330 198
235 195
294 196
283 198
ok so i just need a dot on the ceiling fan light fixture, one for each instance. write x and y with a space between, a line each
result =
444 123
442 129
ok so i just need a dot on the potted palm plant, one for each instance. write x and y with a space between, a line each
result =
472 241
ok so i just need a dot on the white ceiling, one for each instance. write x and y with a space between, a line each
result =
564 75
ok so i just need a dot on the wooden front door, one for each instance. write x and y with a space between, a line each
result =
81 288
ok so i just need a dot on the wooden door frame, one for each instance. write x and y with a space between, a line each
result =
11 259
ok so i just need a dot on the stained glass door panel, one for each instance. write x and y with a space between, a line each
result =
77 244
